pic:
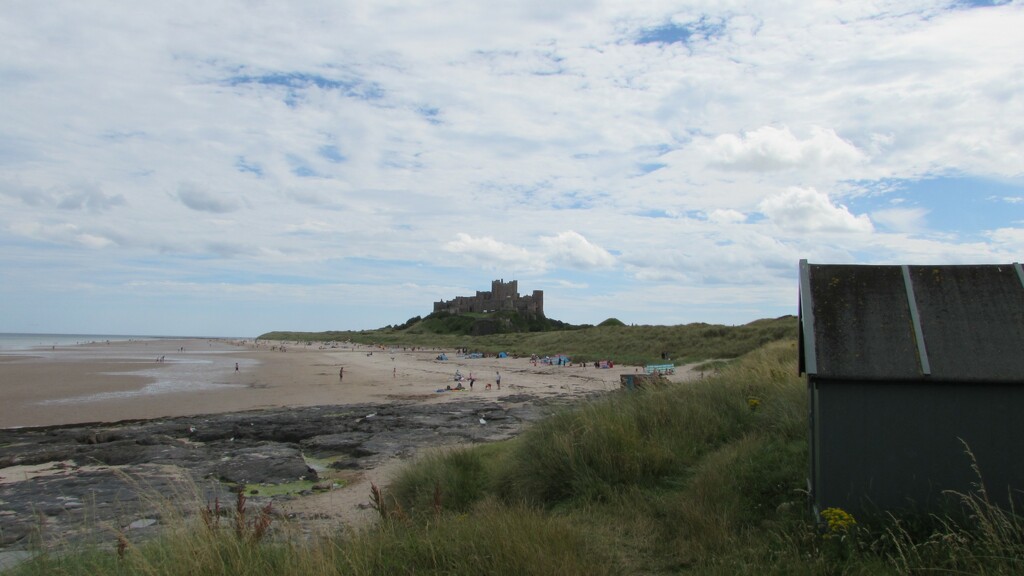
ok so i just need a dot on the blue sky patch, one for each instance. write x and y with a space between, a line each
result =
962 205
332 153
648 167
572 200
982 3
296 82
671 33
653 213
430 113
667 34
243 165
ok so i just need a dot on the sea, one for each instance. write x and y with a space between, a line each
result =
17 342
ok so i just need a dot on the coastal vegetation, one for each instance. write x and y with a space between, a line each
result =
706 477
611 340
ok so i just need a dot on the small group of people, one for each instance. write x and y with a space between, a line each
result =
472 380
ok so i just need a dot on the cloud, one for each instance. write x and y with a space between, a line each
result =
199 199
28 195
901 219
807 210
567 249
64 233
82 197
490 253
1009 199
726 216
90 199
769 148
1009 239
573 250
311 227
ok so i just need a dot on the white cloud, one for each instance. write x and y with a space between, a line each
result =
489 253
1009 239
769 148
807 210
726 216
901 219
571 249
63 233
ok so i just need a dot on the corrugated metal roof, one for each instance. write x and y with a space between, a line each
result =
943 323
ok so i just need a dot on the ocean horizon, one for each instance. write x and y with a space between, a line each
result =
15 341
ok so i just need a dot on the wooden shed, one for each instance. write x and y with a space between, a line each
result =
907 365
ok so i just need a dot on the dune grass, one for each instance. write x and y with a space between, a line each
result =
632 345
697 478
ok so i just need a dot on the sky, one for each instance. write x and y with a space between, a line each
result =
230 168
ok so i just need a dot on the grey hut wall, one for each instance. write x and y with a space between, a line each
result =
903 363
884 447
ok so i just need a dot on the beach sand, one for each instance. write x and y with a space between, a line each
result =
125 381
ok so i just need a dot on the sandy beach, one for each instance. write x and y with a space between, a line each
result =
162 378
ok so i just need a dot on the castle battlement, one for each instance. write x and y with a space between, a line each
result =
504 296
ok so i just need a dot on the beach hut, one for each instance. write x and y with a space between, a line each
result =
638 381
914 373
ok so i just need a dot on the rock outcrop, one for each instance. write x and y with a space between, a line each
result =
66 483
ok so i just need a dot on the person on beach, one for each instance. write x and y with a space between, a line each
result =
341 374
497 379
236 366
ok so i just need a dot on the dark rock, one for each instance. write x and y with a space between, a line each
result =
331 444
267 463
137 469
345 465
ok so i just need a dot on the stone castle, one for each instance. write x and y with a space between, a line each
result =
504 296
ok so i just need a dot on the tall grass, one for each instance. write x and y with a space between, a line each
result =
493 539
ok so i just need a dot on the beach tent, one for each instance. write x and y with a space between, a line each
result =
502 355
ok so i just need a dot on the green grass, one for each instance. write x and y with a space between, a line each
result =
697 478
631 345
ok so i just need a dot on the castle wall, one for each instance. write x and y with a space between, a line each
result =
504 296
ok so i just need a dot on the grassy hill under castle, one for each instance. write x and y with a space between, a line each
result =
609 340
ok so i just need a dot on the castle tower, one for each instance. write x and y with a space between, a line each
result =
538 302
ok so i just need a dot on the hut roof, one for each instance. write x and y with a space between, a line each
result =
959 323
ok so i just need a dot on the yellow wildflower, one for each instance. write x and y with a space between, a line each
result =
838 521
